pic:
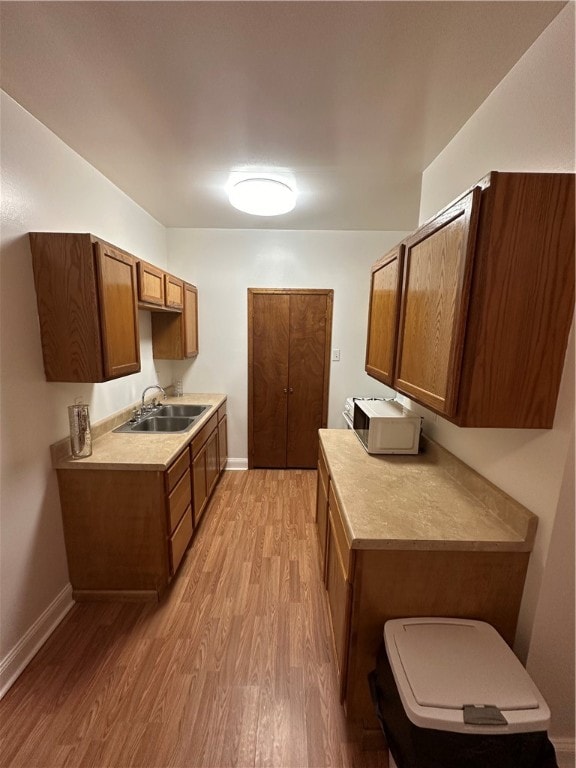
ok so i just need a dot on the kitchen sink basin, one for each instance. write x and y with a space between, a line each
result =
167 418
181 410
163 424
154 424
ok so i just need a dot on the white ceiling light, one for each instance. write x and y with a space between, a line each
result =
262 197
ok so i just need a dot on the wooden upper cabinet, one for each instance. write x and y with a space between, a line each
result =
87 306
190 320
150 285
435 291
487 302
118 311
175 334
174 292
383 315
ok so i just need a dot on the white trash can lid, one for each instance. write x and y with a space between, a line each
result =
442 665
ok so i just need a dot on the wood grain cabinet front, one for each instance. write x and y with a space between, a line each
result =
322 510
204 453
383 315
87 305
150 286
126 532
484 306
339 563
174 291
366 587
175 334
222 437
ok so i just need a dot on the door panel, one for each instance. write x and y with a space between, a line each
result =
383 316
305 378
270 337
435 295
118 311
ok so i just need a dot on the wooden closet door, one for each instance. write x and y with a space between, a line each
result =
288 374
307 354
270 315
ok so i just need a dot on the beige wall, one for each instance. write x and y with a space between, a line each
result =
225 263
527 123
46 186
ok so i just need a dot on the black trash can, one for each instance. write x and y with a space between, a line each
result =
449 693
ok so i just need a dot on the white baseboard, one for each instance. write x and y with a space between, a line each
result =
237 464
14 663
565 752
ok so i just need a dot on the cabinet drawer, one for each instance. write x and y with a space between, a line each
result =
204 434
180 540
179 500
344 553
222 411
177 469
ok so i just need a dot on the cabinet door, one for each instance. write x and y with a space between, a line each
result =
383 316
435 292
150 284
222 442
212 464
118 311
180 540
200 486
339 601
322 517
190 320
174 290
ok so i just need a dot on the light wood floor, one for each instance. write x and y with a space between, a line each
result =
233 668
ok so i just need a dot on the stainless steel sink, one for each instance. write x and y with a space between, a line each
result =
163 424
181 410
153 424
167 418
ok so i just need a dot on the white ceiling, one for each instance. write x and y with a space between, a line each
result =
350 99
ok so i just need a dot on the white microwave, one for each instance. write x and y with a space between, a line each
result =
385 426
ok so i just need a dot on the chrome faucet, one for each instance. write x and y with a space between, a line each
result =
153 386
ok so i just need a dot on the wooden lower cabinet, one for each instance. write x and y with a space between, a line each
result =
204 459
180 539
366 587
127 531
322 510
222 437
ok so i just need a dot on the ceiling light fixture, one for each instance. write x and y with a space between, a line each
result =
262 197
